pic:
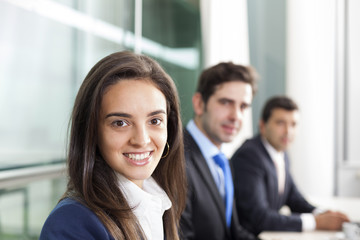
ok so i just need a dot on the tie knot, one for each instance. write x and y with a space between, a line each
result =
220 159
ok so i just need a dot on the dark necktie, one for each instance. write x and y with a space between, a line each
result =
223 163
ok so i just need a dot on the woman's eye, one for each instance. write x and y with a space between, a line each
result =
155 121
119 123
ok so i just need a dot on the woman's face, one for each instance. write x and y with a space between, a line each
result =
133 128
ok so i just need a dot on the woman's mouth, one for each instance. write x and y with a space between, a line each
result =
139 159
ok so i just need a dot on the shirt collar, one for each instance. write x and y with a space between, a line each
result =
274 154
136 196
207 148
148 205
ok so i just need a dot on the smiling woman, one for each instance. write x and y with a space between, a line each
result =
123 182
132 135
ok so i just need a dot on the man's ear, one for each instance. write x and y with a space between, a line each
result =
198 104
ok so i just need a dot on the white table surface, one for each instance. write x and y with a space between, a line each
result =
315 235
349 206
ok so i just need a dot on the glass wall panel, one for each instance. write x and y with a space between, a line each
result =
267 42
174 27
115 21
46 49
36 80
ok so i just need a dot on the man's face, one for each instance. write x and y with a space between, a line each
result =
221 118
280 129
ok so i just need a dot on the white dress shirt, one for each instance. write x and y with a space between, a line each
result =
148 203
279 162
278 157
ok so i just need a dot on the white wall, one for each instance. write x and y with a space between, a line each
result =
311 56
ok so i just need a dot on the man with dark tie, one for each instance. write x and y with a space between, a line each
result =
224 93
263 183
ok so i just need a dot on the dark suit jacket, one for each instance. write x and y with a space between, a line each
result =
204 216
70 220
256 191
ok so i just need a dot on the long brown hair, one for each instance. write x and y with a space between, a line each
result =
91 180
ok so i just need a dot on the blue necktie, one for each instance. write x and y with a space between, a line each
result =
223 163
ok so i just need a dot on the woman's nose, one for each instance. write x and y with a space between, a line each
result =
140 136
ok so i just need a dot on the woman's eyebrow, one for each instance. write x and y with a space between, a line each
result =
116 114
156 112
126 115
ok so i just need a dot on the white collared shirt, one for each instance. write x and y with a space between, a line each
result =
149 205
278 158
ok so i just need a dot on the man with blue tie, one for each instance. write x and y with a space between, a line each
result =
263 183
224 93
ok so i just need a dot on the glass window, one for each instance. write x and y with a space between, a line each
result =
47 48
174 28
36 86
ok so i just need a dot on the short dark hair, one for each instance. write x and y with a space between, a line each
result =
223 72
278 102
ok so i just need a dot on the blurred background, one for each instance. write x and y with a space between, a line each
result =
308 50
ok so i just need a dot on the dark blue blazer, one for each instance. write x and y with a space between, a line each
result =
71 220
204 215
256 191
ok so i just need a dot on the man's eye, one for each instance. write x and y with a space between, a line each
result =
119 123
280 123
224 102
244 106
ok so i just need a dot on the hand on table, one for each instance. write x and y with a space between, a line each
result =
330 220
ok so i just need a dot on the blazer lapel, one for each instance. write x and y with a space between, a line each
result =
273 192
205 174
268 157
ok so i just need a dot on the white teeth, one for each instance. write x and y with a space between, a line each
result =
138 157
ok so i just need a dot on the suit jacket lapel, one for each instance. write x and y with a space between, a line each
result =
263 149
277 198
205 174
